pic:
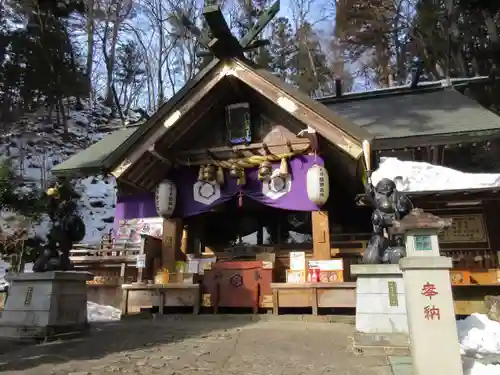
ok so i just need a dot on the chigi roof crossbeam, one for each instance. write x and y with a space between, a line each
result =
223 44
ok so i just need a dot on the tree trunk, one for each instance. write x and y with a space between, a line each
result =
110 57
90 42
161 94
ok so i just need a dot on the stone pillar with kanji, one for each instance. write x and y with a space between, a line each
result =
432 326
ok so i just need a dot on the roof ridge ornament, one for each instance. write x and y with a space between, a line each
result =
223 44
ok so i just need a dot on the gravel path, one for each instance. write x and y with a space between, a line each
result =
198 346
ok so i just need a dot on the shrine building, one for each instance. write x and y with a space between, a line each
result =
247 184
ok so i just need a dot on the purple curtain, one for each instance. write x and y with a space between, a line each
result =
185 178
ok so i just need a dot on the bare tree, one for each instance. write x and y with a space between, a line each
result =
112 14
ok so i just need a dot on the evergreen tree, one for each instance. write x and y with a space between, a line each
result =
20 210
129 70
39 65
310 69
282 47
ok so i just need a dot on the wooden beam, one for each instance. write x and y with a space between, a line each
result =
321 235
224 44
202 36
131 184
264 19
299 110
257 44
172 118
161 158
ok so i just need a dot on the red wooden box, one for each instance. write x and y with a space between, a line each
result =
238 284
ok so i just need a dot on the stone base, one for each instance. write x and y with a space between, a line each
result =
380 299
41 305
382 344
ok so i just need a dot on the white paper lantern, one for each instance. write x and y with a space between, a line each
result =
318 186
165 197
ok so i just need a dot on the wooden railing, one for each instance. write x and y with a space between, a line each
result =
119 253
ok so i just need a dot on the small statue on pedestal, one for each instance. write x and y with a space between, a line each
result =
67 228
389 205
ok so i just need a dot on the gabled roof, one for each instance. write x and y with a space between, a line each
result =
404 117
113 146
96 157
341 132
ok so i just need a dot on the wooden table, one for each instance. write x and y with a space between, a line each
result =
469 298
174 294
315 295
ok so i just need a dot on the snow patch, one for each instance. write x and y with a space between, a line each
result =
479 339
479 335
102 313
419 176
37 145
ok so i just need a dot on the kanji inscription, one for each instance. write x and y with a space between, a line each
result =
429 290
465 228
431 312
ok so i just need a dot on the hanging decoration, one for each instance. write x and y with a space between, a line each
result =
238 173
250 161
277 185
318 186
220 176
265 170
284 168
206 192
209 173
165 198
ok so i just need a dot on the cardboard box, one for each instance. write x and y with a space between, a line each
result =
331 276
295 277
327 265
297 260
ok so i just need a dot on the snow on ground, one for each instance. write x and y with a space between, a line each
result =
37 145
479 335
101 313
418 176
479 340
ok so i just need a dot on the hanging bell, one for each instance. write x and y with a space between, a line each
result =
242 179
209 173
284 168
265 170
220 176
234 171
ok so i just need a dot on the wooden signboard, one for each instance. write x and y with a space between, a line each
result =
465 229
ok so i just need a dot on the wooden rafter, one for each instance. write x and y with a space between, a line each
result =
171 119
159 157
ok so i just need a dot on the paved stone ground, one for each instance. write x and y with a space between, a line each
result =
199 347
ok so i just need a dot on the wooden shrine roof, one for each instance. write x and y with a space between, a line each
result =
174 117
427 115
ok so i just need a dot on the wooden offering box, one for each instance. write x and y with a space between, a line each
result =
238 284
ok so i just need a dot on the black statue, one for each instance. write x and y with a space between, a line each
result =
389 205
67 228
